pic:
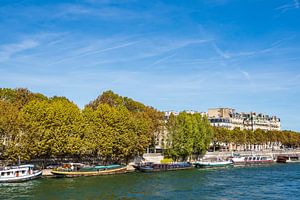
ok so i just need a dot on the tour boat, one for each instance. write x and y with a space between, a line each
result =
19 173
288 158
156 167
243 160
79 169
208 164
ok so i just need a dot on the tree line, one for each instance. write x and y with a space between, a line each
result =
111 127
285 138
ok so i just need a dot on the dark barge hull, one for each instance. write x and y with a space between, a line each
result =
162 168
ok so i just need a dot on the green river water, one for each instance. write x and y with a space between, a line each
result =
276 181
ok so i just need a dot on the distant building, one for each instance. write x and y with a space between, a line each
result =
175 113
229 118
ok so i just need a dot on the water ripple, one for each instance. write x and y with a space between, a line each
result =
276 181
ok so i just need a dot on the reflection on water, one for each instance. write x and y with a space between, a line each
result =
278 181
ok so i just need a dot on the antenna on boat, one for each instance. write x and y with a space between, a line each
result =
19 162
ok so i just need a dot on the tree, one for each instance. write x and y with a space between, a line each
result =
189 134
19 96
50 128
114 134
9 124
154 116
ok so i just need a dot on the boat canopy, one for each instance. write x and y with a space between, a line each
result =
107 166
24 166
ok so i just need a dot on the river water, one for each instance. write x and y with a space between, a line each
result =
277 181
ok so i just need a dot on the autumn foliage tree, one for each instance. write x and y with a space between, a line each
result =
112 128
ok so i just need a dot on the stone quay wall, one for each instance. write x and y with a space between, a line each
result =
274 154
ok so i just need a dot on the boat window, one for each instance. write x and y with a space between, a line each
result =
2 173
249 158
8 173
23 172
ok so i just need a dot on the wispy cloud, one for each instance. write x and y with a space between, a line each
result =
289 6
161 60
8 50
219 51
246 75
272 48
296 3
93 49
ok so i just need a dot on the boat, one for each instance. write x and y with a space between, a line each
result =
79 169
19 173
244 160
290 158
211 164
156 167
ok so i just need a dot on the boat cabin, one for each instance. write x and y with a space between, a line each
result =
18 171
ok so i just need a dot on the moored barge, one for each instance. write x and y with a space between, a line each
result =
155 167
213 164
289 158
248 160
78 169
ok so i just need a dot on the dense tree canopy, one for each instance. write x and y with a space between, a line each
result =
154 117
114 133
137 108
112 127
188 134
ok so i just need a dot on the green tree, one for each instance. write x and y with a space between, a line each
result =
189 134
9 125
50 128
115 134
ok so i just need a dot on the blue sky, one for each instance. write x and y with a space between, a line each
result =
172 55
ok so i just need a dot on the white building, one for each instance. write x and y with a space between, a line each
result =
229 118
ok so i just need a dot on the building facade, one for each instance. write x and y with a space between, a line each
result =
229 118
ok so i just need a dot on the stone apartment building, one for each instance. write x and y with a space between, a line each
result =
229 118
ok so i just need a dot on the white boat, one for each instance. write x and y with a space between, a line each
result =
205 164
19 173
243 160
